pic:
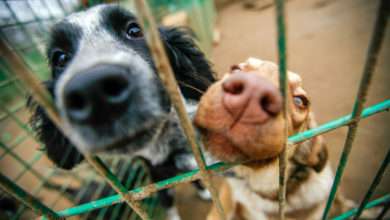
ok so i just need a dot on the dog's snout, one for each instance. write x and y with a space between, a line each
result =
251 98
98 95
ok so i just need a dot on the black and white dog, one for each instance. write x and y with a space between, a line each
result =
107 91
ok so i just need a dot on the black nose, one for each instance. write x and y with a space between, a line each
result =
98 95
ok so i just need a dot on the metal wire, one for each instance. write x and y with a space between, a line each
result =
143 192
380 201
167 77
28 199
205 172
368 71
384 211
43 98
373 185
282 56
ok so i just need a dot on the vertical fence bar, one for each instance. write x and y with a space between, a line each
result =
373 185
169 81
384 211
282 56
369 67
42 96
27 199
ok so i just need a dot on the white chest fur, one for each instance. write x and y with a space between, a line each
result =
309 194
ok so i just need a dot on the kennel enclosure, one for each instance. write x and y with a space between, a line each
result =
22 57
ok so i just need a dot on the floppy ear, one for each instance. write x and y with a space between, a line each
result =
312 152
57 146
191 68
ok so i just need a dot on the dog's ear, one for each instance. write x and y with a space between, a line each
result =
192 70
312 152
57 146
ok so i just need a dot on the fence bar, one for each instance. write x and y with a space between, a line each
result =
27 165
345 120
104 171
167 77
7 82
16 109
140 193
42 96
24 29
384 211
369 67
15 143
282 56
346 215
29 200
373 185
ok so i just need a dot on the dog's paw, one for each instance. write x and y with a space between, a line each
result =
173 214
204 194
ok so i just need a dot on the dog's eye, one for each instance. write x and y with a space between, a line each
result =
134 31
59 59
301 101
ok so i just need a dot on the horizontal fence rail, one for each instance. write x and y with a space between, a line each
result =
143 192
380 201
133 197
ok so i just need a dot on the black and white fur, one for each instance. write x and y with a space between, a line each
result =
148 126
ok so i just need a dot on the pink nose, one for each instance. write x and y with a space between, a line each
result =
251 98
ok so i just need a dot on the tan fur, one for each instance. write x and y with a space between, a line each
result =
252 194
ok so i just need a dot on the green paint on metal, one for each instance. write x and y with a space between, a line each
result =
6 136
218 167
352 212
368 71
26 198
111 200
382 106
12 146
26 165
374 184
282 57
31 55
18 107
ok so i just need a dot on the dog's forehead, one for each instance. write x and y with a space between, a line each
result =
270 71
88 19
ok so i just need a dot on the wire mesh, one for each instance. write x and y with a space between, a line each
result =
26 31
25 27
368 72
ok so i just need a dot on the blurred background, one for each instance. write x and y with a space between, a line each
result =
327 44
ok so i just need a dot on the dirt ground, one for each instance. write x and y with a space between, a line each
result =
327 44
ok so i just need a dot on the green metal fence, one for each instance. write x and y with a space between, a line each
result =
22 63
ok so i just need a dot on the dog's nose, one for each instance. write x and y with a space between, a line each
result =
251 98
98 95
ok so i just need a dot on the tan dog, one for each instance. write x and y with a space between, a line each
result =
240 120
